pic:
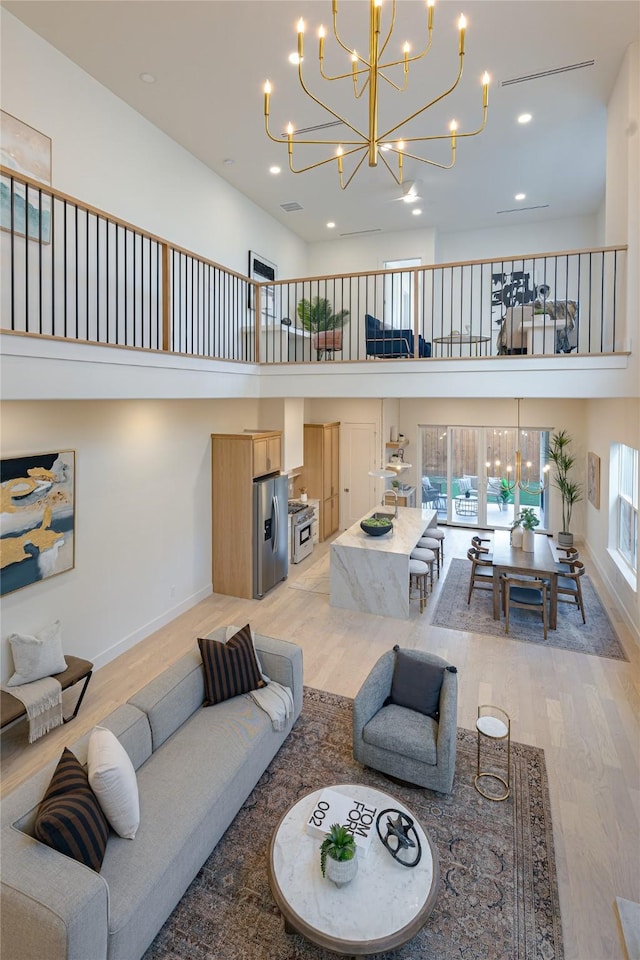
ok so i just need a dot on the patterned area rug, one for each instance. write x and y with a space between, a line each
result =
498 897
596 636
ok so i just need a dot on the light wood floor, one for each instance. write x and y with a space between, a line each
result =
582 710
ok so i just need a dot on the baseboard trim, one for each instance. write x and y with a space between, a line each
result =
148 628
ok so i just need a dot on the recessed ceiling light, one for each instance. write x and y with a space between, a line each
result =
416 213
520 196
524 118
294 58
385 147
228 162
274 169
331 225
147 78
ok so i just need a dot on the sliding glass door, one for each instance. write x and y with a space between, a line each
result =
469 474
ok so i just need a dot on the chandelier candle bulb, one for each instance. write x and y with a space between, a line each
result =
430 5
267 92
462 26
300 38
486 79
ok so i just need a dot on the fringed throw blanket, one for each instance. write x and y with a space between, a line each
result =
276 701
42 700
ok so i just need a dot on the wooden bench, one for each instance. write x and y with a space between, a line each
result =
12 709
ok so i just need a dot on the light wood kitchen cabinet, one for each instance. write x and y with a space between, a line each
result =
267 454
321 472
236 459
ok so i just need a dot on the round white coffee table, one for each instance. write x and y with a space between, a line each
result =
382 908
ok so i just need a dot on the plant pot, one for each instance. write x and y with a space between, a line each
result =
516 538
341 872
328 340
528 542
565 539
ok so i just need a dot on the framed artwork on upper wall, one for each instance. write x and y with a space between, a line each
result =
27 151
264 271
593 479
37 518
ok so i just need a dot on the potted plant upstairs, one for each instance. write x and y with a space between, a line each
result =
338 859
570 491
318 318
528 520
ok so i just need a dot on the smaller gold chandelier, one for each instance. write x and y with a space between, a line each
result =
518 477
367 74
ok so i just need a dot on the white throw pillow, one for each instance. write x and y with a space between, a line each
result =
37 657
113 780
231 632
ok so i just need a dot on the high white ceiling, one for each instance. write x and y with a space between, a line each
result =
210 59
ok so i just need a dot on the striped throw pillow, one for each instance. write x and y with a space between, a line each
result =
230 668
69 816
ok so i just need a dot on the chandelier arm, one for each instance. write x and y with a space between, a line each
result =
432 163
427 106
394 85
358 165
335 30
391 26
363 88
321 163
325 107
388 166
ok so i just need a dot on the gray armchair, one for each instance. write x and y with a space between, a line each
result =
403 742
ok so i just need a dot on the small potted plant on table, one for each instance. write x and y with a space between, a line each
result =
318 318
338 859
528 520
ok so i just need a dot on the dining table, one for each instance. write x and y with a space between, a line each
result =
541 563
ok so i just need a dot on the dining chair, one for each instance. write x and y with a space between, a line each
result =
569 586
570 555
525 594
481 572
479 544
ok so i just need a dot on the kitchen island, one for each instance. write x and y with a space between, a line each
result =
371 574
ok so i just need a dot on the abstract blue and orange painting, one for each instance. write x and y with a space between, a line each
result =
37 518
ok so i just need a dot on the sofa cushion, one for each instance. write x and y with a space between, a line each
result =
230 668
416 684
404 732
35 657
172 697
113 781
69 818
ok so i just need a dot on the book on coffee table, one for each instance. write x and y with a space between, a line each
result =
334 807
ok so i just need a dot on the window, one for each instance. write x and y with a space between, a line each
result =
627 505
398 293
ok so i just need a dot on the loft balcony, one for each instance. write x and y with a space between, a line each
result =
85 287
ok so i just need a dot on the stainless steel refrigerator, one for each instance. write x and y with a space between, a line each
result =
271 532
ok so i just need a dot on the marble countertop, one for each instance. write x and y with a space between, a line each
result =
407 530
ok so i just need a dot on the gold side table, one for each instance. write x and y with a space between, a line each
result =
493 724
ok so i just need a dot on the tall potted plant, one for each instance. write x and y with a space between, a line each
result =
570 490
318 318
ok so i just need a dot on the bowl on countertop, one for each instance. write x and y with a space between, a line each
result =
377 526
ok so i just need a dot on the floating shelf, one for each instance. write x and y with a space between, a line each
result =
396 445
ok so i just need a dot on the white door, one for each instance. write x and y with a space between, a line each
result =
357 457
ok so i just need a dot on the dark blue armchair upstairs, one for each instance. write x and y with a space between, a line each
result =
392 344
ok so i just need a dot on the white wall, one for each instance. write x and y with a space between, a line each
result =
356 254
513 240
108 155
143 516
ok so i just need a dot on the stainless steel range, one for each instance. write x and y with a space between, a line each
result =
300 540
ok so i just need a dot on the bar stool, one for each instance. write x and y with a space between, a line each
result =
437 534
418 578
430 543
494 724
426 556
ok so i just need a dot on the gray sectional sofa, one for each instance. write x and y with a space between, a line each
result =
195 768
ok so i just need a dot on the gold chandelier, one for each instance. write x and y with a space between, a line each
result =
366 74
518 478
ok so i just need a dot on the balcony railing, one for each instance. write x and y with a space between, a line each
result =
73 272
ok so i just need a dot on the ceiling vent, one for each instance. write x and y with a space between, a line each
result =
291 206
547 73
540 206
359 233
319 126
